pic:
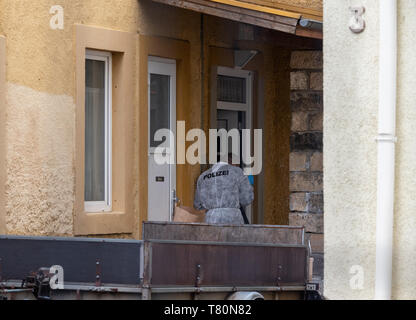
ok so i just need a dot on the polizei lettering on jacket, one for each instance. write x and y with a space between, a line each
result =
216 174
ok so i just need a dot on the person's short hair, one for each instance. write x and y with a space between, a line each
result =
231 158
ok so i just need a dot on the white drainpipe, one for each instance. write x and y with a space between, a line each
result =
386 148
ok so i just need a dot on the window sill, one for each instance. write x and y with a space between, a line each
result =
104 213
100 223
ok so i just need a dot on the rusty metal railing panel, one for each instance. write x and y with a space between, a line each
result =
221 264
205 232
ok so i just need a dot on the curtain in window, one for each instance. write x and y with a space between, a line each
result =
95 130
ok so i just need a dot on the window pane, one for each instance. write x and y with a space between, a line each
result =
95 130
159 105
231 89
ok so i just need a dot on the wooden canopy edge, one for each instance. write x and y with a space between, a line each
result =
244 12
259 8
307 13
239 14
291 20
309 33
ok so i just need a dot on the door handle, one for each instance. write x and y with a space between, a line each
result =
175 199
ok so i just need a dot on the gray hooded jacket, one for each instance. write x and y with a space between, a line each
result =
222 190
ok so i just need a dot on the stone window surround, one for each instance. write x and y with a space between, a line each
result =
122 45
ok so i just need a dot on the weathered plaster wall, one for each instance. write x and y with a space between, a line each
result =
40 108
350 151
1 16
39 163
2 133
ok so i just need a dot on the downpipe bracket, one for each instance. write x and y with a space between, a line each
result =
385 137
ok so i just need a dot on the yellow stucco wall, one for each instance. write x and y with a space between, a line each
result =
350 154
40 104
2 133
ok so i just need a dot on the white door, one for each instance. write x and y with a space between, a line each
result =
162 115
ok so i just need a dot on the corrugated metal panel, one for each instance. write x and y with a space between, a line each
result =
119 259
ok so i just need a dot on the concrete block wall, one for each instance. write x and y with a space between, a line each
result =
306 158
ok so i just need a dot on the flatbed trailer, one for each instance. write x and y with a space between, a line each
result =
173 261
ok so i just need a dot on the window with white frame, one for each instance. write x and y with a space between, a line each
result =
234 101
98 135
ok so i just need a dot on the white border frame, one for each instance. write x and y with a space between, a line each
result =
163 66
104 206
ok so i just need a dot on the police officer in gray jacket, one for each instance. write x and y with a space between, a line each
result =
222 190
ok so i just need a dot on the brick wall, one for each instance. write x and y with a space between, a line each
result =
306 166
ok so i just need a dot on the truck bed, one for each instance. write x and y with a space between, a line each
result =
173 261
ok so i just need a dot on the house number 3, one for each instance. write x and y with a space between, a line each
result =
357 23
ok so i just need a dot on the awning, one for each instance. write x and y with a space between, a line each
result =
290 19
